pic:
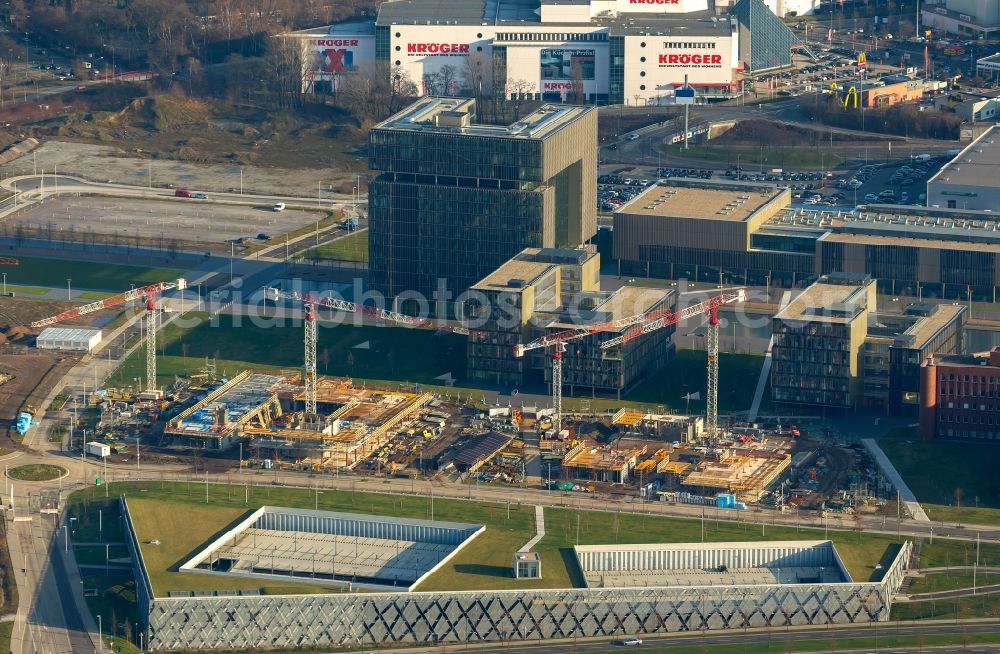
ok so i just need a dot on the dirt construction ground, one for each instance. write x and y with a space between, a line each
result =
168 220
31 377
102 163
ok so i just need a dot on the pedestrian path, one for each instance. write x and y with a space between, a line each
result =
539 530
906 496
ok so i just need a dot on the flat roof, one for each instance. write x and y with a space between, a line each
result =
729 201
928 326
508 275
977 165
347 28
331 547
822 302
82 334
624 302
525 13
902 241
528 265
422 115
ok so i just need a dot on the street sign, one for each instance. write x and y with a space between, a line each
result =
684 95
98 481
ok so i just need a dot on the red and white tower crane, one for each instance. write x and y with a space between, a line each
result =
147 293
636 326
312 300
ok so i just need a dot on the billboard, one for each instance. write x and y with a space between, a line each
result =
331 56
567 64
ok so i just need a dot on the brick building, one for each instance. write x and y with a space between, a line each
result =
960 396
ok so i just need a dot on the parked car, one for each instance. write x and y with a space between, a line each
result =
279 206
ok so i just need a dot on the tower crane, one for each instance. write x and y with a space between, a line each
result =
147 293
635 326
312 300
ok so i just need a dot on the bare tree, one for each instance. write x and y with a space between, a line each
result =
283 64
377 90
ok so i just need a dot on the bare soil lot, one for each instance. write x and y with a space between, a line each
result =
166 222
32 377
188 142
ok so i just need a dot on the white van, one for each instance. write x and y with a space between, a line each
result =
279 206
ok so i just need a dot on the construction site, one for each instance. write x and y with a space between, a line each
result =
295 420
265 411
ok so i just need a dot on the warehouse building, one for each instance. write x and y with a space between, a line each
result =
750 234
960 397
582 51
72 339
454 199
968 19
969 181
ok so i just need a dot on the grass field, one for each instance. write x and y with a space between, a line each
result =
770 157
395 353
939 472
36 472
981 606
178 516
939 581
25 290
353 247
84 274
686 374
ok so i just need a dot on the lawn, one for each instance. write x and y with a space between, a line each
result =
771 157
178 516
90 275
395 353
36 472
25 290
353 247
402 354
981 606
738 375
938 581
941 472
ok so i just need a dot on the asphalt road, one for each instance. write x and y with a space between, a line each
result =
780 637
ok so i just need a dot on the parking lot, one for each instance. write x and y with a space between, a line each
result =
184 221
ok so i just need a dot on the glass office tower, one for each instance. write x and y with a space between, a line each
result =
453 199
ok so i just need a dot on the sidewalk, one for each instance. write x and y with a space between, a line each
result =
905 494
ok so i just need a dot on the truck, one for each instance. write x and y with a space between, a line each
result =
98 449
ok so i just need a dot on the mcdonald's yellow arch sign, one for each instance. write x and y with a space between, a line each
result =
851 93
862 60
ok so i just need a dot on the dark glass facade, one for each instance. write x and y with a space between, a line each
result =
616 75
422 233
765 41
452 204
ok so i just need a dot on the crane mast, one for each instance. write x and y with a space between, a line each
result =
712 384
310 302
147 293
636 326
311 336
